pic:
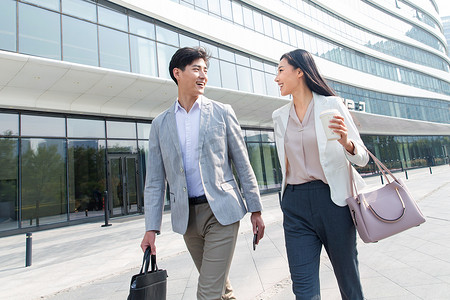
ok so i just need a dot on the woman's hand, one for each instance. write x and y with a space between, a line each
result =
337 125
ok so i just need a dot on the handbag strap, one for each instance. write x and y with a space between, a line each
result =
381 167
149 260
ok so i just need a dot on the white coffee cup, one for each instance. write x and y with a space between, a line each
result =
325 117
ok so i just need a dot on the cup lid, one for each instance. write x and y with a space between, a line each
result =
330 111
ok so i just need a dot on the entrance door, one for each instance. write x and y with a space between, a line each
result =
123 191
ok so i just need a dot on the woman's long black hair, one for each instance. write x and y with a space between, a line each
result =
302 59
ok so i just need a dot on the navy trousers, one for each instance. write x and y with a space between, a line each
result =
311 219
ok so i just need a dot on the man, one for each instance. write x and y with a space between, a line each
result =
191 146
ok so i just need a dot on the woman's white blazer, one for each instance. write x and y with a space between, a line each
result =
333 157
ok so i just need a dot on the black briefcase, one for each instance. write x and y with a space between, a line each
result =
149 285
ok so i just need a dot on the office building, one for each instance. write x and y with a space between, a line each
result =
81 81
446 27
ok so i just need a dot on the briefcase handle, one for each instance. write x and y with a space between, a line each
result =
149 260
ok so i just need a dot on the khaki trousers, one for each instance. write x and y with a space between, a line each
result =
211 246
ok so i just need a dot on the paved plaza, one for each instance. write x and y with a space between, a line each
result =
92 262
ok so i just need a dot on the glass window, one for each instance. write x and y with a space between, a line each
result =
186 41
8 25
165 53
237 13
284 33
254 154
121 130
84 128
79 48
114 50
226 55
203 4
39 32
42 126
292 36
228 74
87 177
143 56
259 83
43 170
256 64
121 146
166 36
272 89
9 160
214 73
144 130
268 26
112 18
242 60
52 4
271 165
244 79
259 25
213 50
267 136
252 135
269 68
214 6
9 124
81 9
248 17
142 28
225 8
276 30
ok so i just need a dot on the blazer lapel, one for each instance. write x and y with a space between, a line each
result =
172 128
205 116
319 106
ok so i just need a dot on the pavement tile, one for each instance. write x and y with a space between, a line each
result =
87 261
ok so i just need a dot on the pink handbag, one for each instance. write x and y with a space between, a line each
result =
384 212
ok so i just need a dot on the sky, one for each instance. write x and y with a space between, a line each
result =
444 7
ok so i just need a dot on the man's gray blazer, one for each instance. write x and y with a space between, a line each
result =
220 143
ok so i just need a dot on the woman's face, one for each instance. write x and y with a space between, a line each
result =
288 78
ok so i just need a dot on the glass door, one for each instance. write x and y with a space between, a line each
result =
123 192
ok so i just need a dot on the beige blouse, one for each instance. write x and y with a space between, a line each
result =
302 152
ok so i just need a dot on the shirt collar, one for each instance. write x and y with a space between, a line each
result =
197 104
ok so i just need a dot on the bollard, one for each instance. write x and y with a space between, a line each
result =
406 174
106 207
28 252
431 172
279 197
381 176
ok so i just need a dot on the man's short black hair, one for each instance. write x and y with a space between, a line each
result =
185 56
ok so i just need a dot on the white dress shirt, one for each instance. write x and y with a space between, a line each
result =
188 126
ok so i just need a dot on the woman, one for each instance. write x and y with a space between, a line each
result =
316 178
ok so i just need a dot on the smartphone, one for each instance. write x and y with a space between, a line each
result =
255 238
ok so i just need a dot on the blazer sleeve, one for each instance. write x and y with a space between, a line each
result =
155 183
239 155
360 156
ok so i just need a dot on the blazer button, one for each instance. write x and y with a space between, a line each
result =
181 170
184 189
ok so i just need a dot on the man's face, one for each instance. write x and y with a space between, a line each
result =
193 79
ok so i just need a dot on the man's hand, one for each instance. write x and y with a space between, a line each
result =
258 225
149 241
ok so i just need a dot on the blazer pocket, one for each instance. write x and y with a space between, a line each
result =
227 186
172 197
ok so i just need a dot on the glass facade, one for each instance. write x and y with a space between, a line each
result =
48 179
415 108
58 167
404 152
146 45
267 25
